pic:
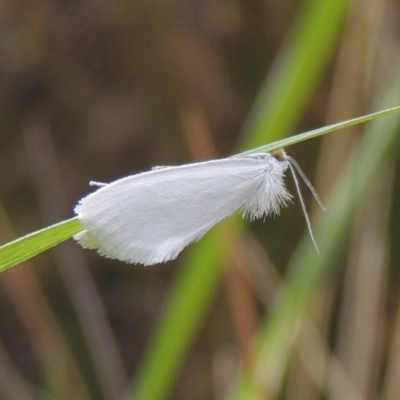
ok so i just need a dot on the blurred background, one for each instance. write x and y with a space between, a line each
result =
97 90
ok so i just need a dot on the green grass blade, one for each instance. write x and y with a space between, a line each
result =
30 245
195 285
199 278
321 131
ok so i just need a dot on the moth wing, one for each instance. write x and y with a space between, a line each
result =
150 217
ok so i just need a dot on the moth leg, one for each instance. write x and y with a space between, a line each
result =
93 183
160 167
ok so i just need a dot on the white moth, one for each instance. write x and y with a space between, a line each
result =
151 217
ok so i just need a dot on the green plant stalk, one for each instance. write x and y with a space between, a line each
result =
178 322
200 277
281 101
298 67
30 245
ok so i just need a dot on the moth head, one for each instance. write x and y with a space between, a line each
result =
279 155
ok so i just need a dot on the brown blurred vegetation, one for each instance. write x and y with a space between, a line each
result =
98 90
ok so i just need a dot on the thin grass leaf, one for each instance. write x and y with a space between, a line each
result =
30 245
20 249
321 131
199 278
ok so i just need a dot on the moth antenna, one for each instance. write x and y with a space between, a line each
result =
303 206
306 181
